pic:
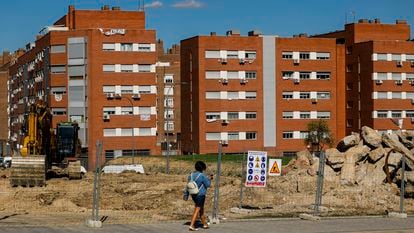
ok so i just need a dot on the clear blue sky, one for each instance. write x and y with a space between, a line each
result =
174 20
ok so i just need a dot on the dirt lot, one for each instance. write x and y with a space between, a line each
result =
156 196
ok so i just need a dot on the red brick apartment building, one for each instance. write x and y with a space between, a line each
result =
168 96
96 67
259 92
4 74
379 77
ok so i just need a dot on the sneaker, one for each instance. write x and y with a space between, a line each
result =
192 228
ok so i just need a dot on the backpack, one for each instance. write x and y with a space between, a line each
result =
192 186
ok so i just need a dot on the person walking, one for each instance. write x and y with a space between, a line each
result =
203 183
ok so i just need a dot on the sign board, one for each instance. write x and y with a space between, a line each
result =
114 31
256 169
275 167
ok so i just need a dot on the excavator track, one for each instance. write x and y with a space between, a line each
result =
28 171
74 170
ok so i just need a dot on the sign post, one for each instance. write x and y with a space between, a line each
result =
256 169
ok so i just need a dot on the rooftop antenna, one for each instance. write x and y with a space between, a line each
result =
141 5
352 13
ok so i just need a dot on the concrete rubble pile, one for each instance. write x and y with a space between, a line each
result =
363 160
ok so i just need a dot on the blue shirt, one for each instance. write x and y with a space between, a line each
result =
203 182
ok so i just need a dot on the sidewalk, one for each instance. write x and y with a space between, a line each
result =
331 225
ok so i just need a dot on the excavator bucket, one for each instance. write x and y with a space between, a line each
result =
29 171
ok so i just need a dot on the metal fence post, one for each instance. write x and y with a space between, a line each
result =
215 217
95 222
242 180
402 185
319 184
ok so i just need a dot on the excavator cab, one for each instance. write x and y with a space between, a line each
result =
67 142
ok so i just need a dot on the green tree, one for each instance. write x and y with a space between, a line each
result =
319 135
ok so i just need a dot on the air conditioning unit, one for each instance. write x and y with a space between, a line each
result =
244 81
118 96
399 63
224 81
106 117
412 82
223 60
110 95
296 61
399 82
314 101
224 142
296 81
225 121
136 96
242 61
378 81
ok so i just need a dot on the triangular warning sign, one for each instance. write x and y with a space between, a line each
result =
275 168
257 159
257 165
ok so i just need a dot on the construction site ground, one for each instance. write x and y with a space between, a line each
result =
130 198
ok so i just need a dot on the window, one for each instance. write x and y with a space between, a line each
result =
287 95
304 55
349 86
349 50
109 110
250 54
287 55
289 153
126 111
212 95
145 89
409 57
323 75
58 111
349 123
108 47
349 68
382 114
381 76
323 95
58 69
410 76
304 95
251 136
57 49
396 57
232 54
304 115
108 68
396 76
323 56
144 68
144 131
212 115
304 75
250 95
381 56
287 115
126 47
126 89
409 113
126 68
169 102
145 110
213 136
212 54
213 74
109 132
108 89
169 125
169 90
168 79
233 95
303 134
382 95
396 95
251 115
144 47
233 135
169 114
287 74
233 74
233 115
409 95
287 135
58 90
251 74
126 132
323 115
396 114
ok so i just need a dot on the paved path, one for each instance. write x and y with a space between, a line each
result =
332 225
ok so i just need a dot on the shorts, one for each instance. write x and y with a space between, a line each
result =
199 200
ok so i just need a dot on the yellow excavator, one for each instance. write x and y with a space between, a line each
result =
45 152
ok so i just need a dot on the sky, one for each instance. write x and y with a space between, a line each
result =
175 20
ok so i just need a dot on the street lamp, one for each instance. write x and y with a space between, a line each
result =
167 123
133 97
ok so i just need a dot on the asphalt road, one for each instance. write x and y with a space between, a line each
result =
331 225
